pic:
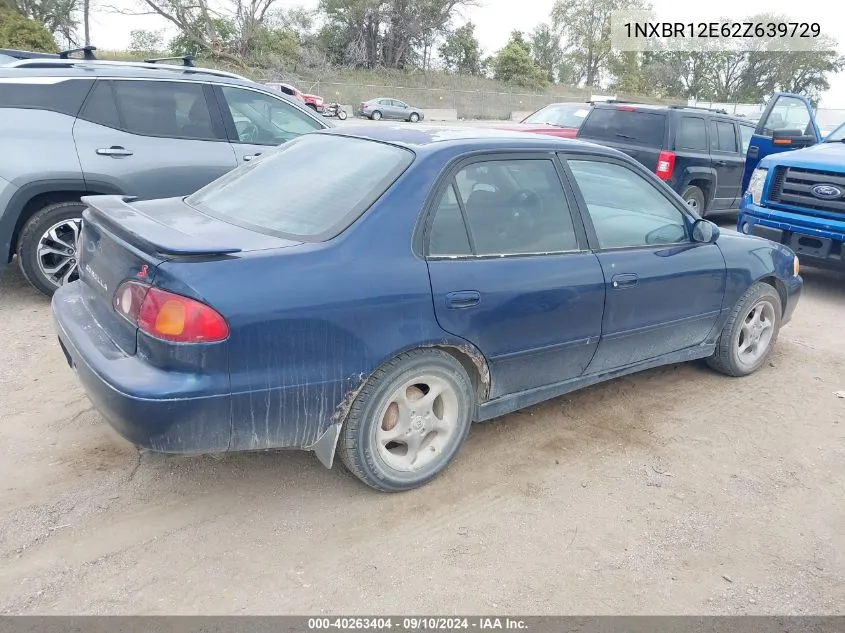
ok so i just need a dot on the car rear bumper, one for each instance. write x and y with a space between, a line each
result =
165 411
816 241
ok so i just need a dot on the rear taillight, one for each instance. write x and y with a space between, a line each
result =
168 316
364 106
665 165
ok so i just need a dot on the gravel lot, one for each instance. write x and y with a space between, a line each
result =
676 491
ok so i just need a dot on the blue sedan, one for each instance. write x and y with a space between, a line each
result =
424 279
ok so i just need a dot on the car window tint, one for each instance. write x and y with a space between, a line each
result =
448 235
626 209
692 134
164 108
746 132
625 126
278 193
101 107
516 207
265 120
60 95
726 136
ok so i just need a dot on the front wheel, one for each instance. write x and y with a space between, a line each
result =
408 422
749 335
414 117
341 114
47 246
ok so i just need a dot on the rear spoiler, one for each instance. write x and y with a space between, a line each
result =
144 231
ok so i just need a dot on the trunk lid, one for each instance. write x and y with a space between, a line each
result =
122 239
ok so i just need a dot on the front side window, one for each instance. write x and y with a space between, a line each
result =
165 108
515 207
626 210
264 120
278 193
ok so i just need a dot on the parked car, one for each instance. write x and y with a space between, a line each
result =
698 152
557 119
429 278
796 183
381 108
315 102
73 127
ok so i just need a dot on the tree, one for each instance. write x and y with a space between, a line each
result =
461 51
223 40
584 26
59 17
545 49
17 31
513 64
145 43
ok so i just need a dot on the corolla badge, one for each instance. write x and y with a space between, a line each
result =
96 277
826 192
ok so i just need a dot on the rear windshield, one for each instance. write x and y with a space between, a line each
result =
625 126
310 188
560 115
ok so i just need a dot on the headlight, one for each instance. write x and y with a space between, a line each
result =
796 267
755 187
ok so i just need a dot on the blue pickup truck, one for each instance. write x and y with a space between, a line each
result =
794 183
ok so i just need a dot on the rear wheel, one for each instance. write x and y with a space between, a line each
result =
414 117
408 421
47 246
749 335
376 116
694 197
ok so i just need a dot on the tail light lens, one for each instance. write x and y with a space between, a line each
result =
364 106
665 165
167 316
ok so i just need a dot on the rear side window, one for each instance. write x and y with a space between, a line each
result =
165 108
625 126
101 108
44 93
279 194
692 134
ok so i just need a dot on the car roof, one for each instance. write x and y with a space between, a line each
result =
625 106
429 137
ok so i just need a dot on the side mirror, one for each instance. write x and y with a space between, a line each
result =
705 232
793 138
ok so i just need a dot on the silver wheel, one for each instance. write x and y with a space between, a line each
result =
57 252
692 203
418 424
756 333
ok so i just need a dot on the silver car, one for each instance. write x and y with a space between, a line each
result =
384 108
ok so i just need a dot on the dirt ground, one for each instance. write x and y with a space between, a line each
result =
676 491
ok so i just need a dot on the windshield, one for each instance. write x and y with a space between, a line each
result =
280 193
570 115
837 135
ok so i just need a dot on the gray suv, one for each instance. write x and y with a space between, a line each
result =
76 127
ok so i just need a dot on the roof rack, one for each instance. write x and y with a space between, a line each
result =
187 60
69 63
689 107
87 53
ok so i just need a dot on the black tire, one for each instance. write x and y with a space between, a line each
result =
34 229
358 446
375 116
414 117
694 197
726 358
341 114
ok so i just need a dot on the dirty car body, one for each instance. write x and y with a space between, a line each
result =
315 285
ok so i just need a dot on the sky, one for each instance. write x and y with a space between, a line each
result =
495 19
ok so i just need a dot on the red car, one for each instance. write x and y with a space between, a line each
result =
312 101
556 119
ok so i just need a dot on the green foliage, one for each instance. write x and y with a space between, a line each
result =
143 42
513 64
461 51
18 32
226 33
545 49
275 46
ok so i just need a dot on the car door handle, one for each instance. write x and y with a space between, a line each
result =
753 151
249 157
462 299
114 150
624 281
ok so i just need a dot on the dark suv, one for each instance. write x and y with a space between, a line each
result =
77 127
699 152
